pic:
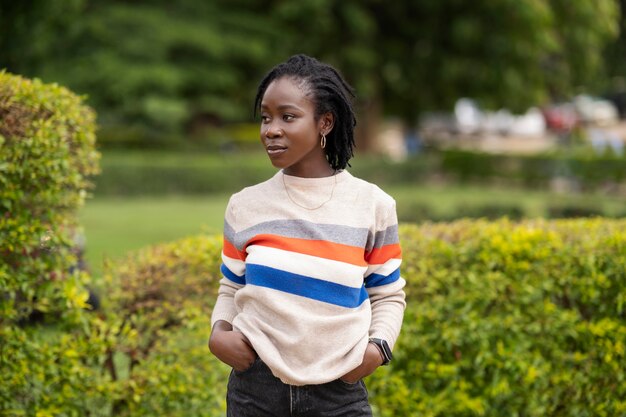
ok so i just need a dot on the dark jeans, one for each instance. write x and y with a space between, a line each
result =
256 392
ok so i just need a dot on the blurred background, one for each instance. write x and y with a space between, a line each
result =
487 108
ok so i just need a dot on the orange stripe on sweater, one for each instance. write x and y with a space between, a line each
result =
231 251
381 255
319 248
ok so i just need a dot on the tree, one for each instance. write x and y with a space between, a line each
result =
417 56
157 63
34 31
616 51
163 64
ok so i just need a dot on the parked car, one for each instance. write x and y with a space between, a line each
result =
561 117
471 119
594 110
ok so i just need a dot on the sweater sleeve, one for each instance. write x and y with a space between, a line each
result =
233 270
383 281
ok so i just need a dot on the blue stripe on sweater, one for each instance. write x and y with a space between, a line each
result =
313 288
376 280
237 279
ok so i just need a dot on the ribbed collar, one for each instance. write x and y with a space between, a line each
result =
313 182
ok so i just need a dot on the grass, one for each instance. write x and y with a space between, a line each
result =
114 226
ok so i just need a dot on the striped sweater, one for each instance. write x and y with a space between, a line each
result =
309 287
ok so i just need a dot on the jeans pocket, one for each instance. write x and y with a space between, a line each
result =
349 384
248 369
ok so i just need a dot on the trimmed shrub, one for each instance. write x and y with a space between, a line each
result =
503 318
164 295
511 319
47 155
570 211
132 173
157 173
589 172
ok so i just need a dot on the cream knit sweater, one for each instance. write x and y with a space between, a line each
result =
309 287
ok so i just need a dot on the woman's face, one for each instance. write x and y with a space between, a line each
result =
289 131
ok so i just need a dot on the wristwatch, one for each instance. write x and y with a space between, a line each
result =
384 349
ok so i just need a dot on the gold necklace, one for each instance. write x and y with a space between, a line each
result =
311 208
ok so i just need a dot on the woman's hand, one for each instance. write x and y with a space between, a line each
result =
372 359
231 347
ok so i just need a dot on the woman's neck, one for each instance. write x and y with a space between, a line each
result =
317 172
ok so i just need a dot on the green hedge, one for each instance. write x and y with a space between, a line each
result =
153 173
157 172
503 318
511 319
239 137
163 296
585 171
47 155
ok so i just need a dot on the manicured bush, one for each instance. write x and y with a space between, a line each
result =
420 212
569 211
156 173
503 318
201 172
47 156
164 295
511 319
211 138
587 172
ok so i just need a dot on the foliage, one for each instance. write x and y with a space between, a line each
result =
34 32
162 287
157 173
47 155
418 56
54 373
503 319
234 137
511 319
586 172
616 50
169 66
160 65
164 295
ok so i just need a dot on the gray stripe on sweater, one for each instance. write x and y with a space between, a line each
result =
301 229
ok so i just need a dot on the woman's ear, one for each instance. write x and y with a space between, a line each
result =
326 123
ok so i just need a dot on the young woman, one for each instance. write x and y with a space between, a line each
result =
311 299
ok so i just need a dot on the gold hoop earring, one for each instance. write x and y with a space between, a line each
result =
323 142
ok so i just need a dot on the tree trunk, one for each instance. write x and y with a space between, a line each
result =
368 125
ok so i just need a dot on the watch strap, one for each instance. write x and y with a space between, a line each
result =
383 348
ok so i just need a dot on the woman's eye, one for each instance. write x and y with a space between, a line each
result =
288 117
264 119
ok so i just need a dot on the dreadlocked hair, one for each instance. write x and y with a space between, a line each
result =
330 93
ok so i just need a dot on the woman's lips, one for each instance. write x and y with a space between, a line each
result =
275 150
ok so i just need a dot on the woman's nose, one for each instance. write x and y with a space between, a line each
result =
273 131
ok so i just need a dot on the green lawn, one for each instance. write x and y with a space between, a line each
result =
114 226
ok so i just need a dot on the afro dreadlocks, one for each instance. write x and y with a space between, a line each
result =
330 93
